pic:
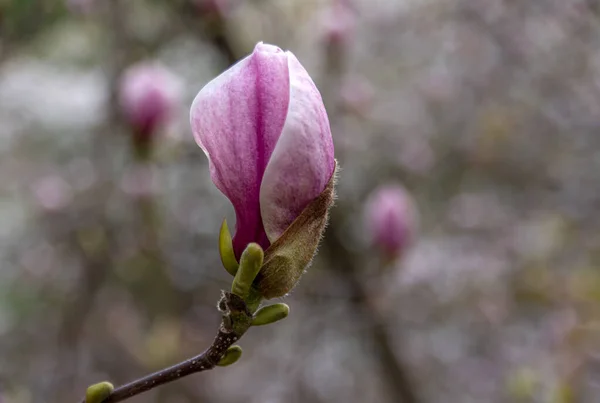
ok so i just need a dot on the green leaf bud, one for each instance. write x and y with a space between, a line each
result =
250 263
98 392
231 356
270 314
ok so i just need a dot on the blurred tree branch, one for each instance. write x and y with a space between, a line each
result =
213 28
394 371
346 266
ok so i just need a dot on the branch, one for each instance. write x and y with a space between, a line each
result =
237 318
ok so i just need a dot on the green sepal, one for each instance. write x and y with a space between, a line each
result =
250 263
270 314
226 250
98 392
231 356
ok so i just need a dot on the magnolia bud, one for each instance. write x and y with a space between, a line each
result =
148 96
339 23
264 128
391 219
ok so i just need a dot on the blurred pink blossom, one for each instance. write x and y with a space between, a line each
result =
139 181
438 85
339 22
149 95
357 96
52 192
80 6
391 219
417 156
219 7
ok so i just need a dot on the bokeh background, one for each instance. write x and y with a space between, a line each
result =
486 111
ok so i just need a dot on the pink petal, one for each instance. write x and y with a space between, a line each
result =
237 119
303 160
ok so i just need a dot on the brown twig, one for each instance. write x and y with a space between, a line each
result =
237 318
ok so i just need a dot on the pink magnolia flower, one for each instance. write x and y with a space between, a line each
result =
391 219
148 95
264 128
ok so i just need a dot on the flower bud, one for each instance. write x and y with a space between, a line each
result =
339 23
265 131
391 219
148 96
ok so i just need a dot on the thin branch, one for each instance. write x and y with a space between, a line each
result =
237 318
